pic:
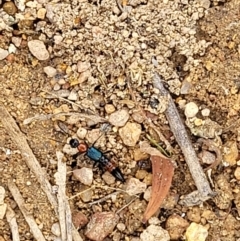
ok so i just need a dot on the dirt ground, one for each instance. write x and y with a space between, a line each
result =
96 48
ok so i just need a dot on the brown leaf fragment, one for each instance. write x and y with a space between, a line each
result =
163 170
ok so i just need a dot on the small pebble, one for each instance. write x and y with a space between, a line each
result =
12 49
130 133
28 183
16 41
121 226
73 95
58 39
108 178
56 87
2 194
3 209
3 53
109 108
83 66
9 8
207 157
55 229
84 175
84 76
134 186
205 112
119 118
50 71
81 133
154 233
176 226
38 49
237 173
101 225
191 109
141 174
196 232
198 122
41 13
86 196
230 152
147 193
79 219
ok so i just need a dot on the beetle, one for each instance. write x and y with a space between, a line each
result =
98 157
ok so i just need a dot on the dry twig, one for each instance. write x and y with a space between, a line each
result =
10 215
20 141
180 133
28 217
68 231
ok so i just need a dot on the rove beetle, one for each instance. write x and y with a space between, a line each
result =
98 157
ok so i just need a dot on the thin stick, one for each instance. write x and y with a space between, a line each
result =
10 215
68 230
180 133
104 198
28 217
127 204
20 141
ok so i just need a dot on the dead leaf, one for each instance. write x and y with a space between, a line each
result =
163 170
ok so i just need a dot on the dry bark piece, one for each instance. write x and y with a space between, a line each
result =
181 136
163 170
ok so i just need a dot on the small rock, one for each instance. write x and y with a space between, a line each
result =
186 87
9 8
2 195
73 95
207 157
108 178
79 219
84 175
3 209
121 227
119 118
109 108
154 233
12 49
58 39
55 229
204 3
196 232
101 225
83 66
230 151
81 133
194 214
130 133
86 196
41 13
3 53
50 71
138 155
141 174
134 186
69 150
237 173
138 117
38 49
205 112
191 109
147 193
176 225
84 76
16 41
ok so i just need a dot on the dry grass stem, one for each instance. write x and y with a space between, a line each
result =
20 141
10 215
28 217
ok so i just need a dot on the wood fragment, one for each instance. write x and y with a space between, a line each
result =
10 215
68 231
181 136
95 118
28 217
20 141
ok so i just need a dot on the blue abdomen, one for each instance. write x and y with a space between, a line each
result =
94 154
